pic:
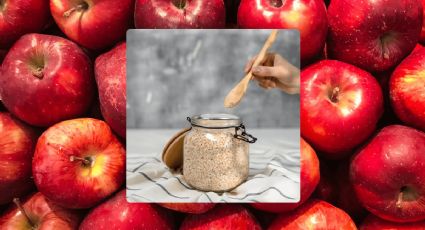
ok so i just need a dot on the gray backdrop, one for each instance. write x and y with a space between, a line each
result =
172 74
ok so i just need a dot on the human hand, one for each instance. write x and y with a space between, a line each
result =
275 72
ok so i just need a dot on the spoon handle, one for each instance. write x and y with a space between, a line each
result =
235 95
262 54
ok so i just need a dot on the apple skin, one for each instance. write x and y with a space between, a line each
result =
317 213
372 223
194 208
164 14
310 176
46 215
95 24
308 16
46 79
374 35
117 213
17 143
74 183
19 17
406 86
388 176
110 72
340 107
228 216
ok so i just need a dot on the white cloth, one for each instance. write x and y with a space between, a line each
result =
274 170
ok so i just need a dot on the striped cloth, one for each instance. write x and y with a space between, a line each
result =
274 170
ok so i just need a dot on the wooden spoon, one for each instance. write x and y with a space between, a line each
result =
236 94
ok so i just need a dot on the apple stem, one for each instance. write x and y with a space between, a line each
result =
38 73
85 161
22 210
335 93
2 4
276 3
181 4
79 7
399 200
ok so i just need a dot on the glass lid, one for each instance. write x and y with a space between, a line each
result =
220 120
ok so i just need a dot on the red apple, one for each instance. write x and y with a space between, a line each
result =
372 223
117 213
19 17
223 216
308 16
46 79
17 142
374 35
340 106
181 14
407 90
310 176
95 24
388 174
111 81
37 212
77 163
314 214
195 208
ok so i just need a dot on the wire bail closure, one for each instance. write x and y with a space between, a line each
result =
244 136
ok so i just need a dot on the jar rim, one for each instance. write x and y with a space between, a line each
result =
218 120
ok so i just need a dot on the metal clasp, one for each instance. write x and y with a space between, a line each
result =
244 136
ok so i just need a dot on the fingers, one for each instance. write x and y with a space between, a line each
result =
275 72
278 72
267 83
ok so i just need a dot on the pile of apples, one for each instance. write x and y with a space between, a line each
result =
63 102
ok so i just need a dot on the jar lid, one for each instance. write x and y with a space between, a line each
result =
172 155
220 120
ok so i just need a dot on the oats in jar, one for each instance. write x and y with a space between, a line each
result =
216 152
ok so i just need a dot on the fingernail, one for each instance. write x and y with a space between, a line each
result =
256 69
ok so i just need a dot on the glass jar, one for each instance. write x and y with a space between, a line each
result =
216 152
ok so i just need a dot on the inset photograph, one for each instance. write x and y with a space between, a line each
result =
213 116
